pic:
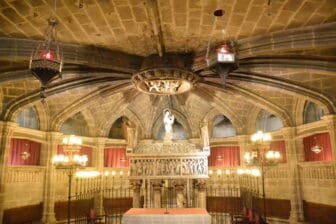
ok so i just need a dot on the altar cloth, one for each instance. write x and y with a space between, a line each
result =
166 216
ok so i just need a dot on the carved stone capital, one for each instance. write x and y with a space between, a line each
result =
8 128
157 185
288 133
101 142
201 184
135 184
179 185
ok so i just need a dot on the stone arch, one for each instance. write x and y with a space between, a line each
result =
312 112
28 118
210 116
132 117
158 123
267 122
87 117
42 113
254 99
300 109
251 120
76 125
118 129
222 127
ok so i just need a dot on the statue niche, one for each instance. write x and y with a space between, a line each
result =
169 127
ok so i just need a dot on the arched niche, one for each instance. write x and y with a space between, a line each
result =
28 118
268 122
178 131
312 112
181 127
75 125
119 128
222 127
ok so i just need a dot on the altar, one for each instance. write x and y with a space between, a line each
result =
166 216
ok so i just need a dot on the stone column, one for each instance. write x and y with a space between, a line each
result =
131 139
293 157
50 147
201 186
243 147
7 129
205 143
157 188
99 163
136 186
179 188
331 127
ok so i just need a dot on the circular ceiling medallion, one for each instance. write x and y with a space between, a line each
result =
164 81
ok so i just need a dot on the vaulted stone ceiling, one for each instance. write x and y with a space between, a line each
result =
286 51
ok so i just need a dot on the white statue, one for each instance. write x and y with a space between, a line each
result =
168 120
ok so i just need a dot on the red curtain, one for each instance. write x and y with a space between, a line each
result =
19 147
322 139
279 146
224 156
115 157
84 150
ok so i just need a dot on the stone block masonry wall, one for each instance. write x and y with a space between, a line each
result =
318 181
24 186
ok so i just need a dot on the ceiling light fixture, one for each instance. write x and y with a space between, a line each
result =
221 59
46 61
164 76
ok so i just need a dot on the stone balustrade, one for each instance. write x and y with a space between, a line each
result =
318 170
28 174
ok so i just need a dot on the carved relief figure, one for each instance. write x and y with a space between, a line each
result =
205 136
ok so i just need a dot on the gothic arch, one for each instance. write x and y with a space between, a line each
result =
209 117
42 114
178 116
77 125
133 118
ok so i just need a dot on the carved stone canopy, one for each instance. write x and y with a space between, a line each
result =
166 75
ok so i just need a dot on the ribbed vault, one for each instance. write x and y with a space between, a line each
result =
282 63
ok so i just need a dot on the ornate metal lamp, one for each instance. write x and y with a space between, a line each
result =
261 156
70 161
222 58
46 61
317 148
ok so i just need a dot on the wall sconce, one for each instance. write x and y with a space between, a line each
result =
25 155
316 148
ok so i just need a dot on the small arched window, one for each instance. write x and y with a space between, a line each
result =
28 118
268 122
222 127
119 128
312 113
75 125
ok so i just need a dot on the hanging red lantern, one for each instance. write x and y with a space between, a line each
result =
48 55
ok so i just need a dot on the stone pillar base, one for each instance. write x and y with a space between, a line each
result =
49 218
